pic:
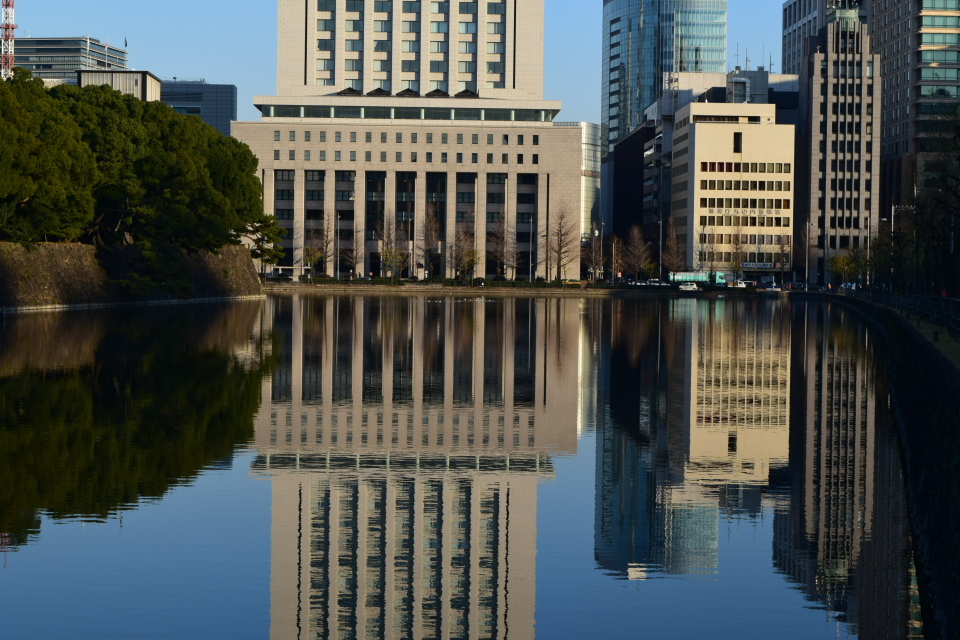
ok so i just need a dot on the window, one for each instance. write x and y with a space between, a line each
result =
505 158
354 5
413 138
519 158
468 27
475 138
292 155
459 158
443 158
399 157
314 176
276 136
536 158
306 155
467 67
468 47
313 194
283 214
497 8
536 140
345 196
496 27
381 26
496 47
409 65
429 156
474 158
326 5
381 45
737 142
411 26
411 7
439 46
520 139
325 45
489 158
467 197
429 138
323 156
439 27
337 156
384 6
438 66
468 7
410 46
506 138
353 136
284 194
326 25
489 138
440 7
353 65
413 156
353 26
353 45
495 67
284 175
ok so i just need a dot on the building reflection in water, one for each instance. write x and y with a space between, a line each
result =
723 408
405 438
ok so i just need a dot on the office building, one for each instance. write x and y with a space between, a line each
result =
142 85
642 41
418 128
58 59
216 104
918 44
839 155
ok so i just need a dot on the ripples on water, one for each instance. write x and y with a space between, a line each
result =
468 467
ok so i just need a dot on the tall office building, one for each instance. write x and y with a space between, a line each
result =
59 59
215 104
643 40
423 122
838 159
919 48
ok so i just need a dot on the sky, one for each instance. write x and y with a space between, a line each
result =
235 41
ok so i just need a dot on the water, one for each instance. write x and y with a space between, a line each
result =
428 467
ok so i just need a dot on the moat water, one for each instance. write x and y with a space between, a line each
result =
452 467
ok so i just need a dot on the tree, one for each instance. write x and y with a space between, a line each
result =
711 258
263 236
502 245
353 252
393 246
563 239
636 252
673 254
593 256
738 243
317 244
783 254
465 255
428 238
842 264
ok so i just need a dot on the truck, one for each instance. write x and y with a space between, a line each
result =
700 277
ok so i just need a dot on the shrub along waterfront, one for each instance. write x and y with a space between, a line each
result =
96 166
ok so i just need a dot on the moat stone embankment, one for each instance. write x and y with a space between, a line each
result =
53 275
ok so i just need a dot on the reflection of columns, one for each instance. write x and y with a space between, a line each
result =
296 363
479 343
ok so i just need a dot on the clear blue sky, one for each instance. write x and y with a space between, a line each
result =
235 41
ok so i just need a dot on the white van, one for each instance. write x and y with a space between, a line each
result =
689 286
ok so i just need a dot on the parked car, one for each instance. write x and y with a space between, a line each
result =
689 286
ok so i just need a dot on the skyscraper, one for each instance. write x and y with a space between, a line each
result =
642 40
419 129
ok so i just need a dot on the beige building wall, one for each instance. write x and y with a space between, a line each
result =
494 49
139 84
733 188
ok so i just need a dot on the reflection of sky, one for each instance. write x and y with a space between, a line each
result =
195 564
745 599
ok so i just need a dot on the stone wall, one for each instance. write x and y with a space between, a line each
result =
55 274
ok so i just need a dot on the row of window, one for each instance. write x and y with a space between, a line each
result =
744 221
429 156
745 167
386 6
745 185
746 239
407 26
745 203
444 138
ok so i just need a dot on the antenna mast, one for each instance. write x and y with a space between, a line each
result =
6 40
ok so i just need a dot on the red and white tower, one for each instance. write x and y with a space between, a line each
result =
6 40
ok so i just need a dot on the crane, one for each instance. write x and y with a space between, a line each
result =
7 27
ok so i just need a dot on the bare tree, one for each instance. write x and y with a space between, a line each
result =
710 260
673 254
738 244
318 244
563 239
593 256
636 252
428 238
502 245
465 255
353 252
783 254
393 246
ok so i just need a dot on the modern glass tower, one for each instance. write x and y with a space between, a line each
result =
642 40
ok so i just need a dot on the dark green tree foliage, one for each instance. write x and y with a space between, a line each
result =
109 169
150 413
46 169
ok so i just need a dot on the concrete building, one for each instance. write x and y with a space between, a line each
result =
839 155
918 44
405 439
732 201
58 59
142 85
436 109
216 104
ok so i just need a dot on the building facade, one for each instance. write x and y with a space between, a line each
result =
216 104
58 59
919 48
732 191
436 110
839 157
142 85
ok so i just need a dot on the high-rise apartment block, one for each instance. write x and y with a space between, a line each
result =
420 125
58 59
838 158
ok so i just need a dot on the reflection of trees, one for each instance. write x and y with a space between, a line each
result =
156 403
